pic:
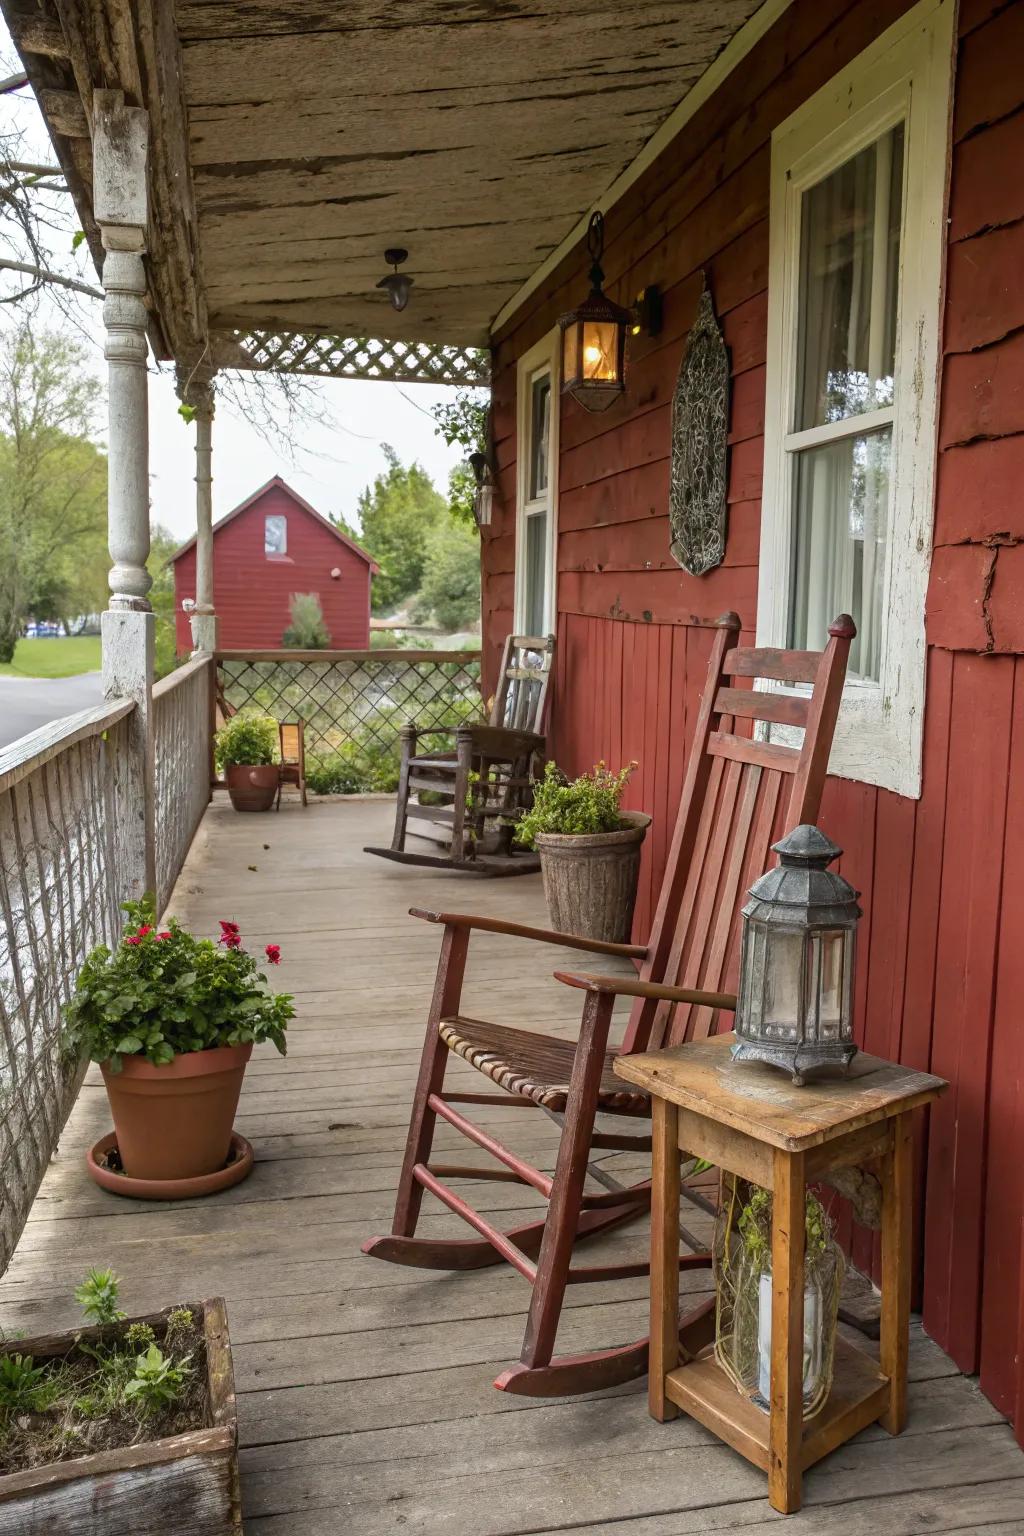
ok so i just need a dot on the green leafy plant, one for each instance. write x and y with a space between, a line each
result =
755 1228
97 1296
248 740
158 1379
23 1385
139 1335
576 807
307 631
163 993
179 1322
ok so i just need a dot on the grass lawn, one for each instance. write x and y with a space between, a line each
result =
54 657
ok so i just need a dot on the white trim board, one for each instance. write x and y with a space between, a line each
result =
717 72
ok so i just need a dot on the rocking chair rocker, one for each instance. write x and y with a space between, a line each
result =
486 781
733 807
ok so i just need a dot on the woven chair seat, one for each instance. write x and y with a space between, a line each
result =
535 1066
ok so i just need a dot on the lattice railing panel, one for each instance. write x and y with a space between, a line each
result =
181 743
359 357
365 698
60 891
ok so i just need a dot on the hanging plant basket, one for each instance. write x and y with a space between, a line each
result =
743 1290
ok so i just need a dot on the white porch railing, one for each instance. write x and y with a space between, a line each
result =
61 884
181 742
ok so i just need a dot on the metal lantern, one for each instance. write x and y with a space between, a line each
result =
795 1004
594 337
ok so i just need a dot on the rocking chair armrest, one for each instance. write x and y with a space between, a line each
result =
522 931
502 741
629 987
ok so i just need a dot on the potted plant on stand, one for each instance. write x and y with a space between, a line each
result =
172 1020
589 851
244 749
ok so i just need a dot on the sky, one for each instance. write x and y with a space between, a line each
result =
329 464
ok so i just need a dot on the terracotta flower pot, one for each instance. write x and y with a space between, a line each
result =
175 1122
590 879
252 788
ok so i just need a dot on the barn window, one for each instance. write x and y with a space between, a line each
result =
858 192
275 535
537 482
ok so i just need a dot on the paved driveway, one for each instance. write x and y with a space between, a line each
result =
26 703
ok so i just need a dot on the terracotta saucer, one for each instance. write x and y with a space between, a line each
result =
107 1174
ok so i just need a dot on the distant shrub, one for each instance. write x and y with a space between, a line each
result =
307 630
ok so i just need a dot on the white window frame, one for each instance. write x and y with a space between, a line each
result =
545 357
275 554
905 76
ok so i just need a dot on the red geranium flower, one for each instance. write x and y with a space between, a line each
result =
274 954
132 938
229 935
167 934
141 932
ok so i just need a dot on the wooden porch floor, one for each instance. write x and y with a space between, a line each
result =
364 1390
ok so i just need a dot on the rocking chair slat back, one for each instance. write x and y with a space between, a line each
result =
520 703
739 796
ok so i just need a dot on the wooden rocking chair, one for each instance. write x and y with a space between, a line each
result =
733 806
292 735
486 781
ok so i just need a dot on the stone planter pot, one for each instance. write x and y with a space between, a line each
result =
252 788
186 1482
175 1121
590 880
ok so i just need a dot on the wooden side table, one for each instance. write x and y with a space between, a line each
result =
749 1119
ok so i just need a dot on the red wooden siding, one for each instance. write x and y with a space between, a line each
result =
941 962
252 591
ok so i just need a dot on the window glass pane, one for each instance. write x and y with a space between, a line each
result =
841 528
536 573
849 270
540 435
275 536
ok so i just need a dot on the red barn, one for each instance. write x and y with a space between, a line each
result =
271 546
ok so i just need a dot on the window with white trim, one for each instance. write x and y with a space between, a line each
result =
275 534
536 489
858 195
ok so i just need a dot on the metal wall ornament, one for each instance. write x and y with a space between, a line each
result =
700 430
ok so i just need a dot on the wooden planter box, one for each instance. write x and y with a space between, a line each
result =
183 1484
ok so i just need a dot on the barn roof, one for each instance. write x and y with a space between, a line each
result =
291 143
277 483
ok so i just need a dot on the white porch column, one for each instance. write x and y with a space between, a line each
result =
196 389
120 142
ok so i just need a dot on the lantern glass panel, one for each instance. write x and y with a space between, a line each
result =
571 351
600 351
830 966
783 978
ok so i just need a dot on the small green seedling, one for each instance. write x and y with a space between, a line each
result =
22 1384
97 1296
158 1380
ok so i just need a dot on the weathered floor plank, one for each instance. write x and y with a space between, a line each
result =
365 1397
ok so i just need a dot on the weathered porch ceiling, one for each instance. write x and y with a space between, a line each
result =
293 142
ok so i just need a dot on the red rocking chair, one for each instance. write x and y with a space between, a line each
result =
734 805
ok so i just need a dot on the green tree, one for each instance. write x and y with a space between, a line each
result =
53 483
308 630
451 582
161 595
397 514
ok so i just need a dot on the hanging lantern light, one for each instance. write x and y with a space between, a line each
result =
594 337
396 284
795 1004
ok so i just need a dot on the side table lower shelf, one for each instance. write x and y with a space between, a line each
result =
859 1396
